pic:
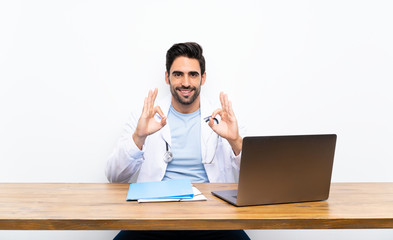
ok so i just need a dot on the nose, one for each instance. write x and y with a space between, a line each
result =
186 81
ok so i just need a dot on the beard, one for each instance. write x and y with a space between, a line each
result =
185 100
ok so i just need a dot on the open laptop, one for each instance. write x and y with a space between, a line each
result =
283 169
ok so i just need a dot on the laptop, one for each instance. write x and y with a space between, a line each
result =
283 169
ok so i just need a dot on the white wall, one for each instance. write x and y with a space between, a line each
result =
70 71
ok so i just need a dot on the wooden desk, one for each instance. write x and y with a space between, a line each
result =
61 206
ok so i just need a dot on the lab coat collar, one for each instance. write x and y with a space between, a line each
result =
209 139
165 105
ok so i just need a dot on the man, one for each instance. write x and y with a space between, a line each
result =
180 137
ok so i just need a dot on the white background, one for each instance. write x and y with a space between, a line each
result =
71 71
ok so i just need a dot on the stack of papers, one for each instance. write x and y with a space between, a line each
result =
198 196
164 191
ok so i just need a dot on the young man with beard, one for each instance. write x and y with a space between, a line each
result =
181 137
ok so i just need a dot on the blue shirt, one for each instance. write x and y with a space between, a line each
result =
185 147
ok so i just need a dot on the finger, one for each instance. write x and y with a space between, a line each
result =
211 122
149 101
158 110
222 99
163 121
144 109
154 95
231 109
226 101
217 111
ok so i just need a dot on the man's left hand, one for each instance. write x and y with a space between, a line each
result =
227 127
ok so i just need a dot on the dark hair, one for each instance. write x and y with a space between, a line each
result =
187 49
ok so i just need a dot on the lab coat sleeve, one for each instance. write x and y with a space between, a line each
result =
126 159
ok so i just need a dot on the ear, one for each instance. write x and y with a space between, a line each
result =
166 77
203 80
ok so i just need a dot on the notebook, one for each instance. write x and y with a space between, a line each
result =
175 188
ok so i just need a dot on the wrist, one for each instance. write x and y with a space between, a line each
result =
236 145
138 140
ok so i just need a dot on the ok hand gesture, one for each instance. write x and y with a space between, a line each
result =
227 127
147 124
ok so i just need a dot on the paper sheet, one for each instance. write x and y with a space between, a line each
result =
198 196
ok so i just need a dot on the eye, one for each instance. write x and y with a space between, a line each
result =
194 74
177 74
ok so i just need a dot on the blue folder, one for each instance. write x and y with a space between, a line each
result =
176 188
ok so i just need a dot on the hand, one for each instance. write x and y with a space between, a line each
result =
147 124
227 127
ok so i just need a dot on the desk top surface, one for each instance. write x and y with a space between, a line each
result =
103 206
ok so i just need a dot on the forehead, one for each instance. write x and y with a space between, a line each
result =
185 64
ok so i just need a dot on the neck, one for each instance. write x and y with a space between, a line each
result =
182 108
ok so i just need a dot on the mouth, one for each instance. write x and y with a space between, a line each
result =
185 92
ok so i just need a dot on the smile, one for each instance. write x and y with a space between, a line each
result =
185 92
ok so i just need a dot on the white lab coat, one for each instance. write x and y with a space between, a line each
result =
128 163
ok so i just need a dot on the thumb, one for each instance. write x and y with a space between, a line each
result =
163 121
211 124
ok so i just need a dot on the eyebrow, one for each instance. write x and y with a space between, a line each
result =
194 72
180 72
177 72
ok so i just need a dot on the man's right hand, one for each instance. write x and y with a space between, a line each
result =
147 124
